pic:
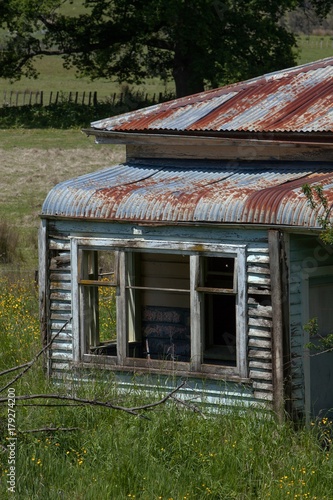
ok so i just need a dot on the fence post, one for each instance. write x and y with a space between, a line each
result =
41 97
95 98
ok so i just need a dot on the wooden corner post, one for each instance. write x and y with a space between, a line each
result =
277 327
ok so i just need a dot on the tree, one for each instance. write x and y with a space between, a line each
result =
198 43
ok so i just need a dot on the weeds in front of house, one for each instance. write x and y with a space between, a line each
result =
171 453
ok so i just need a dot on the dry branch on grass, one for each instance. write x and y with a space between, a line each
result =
94 402
29 364
76 401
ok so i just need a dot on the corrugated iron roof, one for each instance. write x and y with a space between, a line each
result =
298 99
197 191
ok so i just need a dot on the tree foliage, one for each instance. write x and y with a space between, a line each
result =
319 202
196 42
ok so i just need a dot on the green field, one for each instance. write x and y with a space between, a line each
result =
53 77
314 47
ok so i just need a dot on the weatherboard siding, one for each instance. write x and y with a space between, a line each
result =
307 254
259 312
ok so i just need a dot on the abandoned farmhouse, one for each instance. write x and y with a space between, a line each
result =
204 246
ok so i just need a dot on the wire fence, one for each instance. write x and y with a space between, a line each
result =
13 98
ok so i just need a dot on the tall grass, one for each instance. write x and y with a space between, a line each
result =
171 453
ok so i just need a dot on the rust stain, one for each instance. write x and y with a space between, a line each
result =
281 101
268 201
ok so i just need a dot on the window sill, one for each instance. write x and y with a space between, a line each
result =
142 366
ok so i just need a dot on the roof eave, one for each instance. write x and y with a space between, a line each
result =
177 139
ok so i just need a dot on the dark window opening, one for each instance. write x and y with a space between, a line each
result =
158 306
219 304
220 330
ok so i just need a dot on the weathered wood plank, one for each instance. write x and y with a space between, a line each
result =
259 291
62 346
65 336
258 270
59 355
255 332
260 322
61 276
261 375
259 354
60 306
263 386
260 311
61 366
261 365
254 279
59 285
266 396
59 326
210 149
60 316
60 262
60 296
257 259
59 245
264 344
277 330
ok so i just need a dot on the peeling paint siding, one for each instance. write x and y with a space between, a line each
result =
260 391
60 307
259 322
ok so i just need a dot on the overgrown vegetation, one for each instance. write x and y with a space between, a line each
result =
172 453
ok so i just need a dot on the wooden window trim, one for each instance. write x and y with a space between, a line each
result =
192 249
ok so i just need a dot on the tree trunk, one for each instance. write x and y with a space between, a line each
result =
187 81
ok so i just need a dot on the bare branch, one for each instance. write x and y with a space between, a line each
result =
189 405
28 365
93 402
15 368
51 429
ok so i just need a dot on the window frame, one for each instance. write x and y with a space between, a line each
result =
195 251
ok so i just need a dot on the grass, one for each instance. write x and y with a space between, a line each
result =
174 454
314 47
53 77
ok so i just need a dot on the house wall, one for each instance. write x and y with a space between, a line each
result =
307 254
56 299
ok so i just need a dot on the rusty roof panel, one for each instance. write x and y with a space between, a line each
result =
298 99
196 191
